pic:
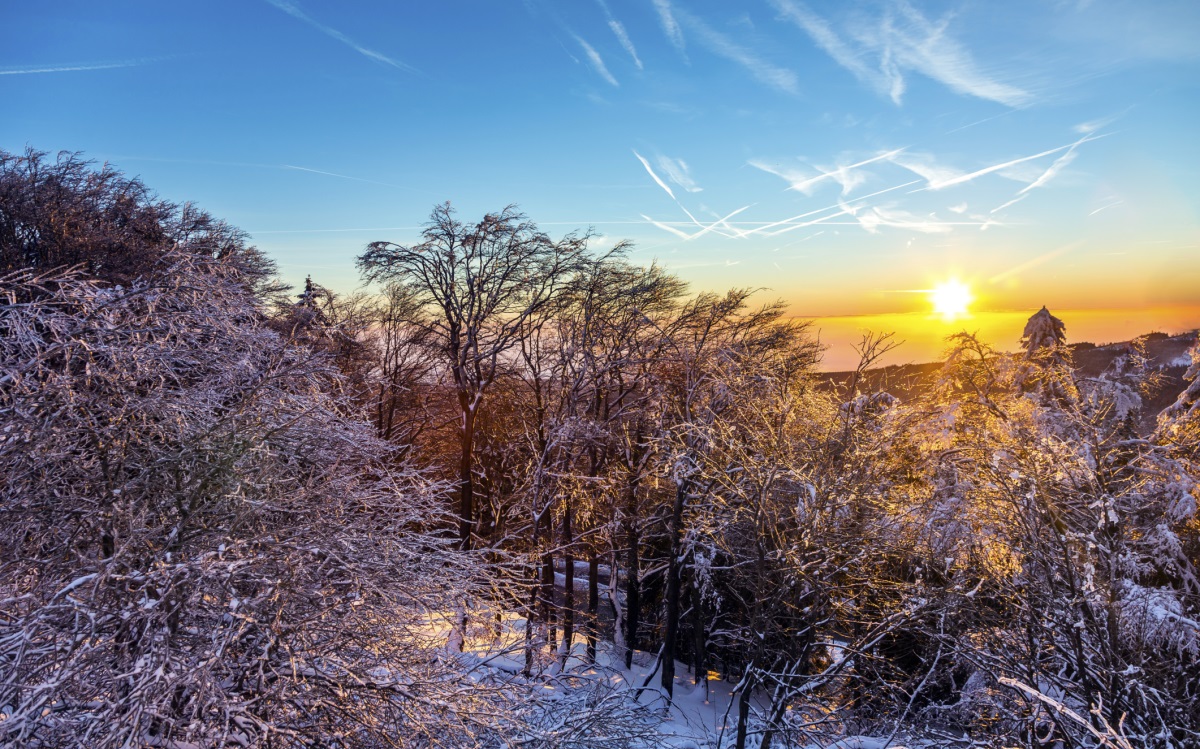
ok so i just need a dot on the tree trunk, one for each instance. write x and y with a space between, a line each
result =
535 589
674 585
466 490
699 641
743 710
593 605
568 586
633 604
548 608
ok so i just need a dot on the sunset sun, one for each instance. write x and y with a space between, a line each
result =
951 299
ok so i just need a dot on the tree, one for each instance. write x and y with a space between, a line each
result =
476 285
1071 527
199 543
67 212
708 330
1049 367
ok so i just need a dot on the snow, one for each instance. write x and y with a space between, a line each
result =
698 716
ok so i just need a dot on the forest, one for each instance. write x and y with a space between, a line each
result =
516 492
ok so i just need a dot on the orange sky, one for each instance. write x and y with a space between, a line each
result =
924 333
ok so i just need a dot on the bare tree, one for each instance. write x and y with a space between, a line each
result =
480 283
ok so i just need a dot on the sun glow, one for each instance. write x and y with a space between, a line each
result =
951 299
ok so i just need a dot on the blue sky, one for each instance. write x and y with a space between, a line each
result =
843 155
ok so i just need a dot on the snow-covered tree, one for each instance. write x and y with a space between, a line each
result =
1070 522
1048 369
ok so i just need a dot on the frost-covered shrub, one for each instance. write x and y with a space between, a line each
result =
198 545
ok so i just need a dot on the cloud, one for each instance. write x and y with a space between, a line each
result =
879 50
791 176
1007 204
295 12
767 73
618 30
74 68
924 165
704 228
927 48
723 221
623 38
886 79
1035 262
1087 128
677 171
1044 176
939 178
841 208
345 176
669 25
597 62
667 227
849 176
1052 171
873 218
650 171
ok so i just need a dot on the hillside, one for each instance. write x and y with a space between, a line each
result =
1167 353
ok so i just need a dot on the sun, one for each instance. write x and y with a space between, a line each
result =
951 299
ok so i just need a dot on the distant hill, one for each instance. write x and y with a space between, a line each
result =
1167 353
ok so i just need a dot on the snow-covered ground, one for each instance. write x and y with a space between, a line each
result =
699 716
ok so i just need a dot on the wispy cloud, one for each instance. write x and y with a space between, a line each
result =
653 175
927 47
1052 171
720 222
597 61
886 78
345 176
849 176
720 44
1106 206
625 41
1091 126
1008 204
74 68
856 209
670 26
295 12
939 178
879 50
678 172
1035 262
792 223
618 30
876 216
667 227
926 166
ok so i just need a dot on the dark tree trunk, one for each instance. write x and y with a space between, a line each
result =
535 591
633 603
568 585
593 605
674 586
743 711
466 490
699 640
548 608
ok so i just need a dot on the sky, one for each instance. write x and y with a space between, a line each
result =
847 158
